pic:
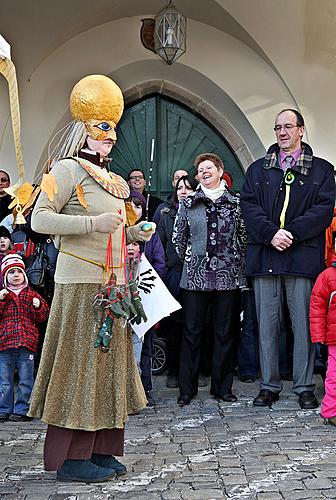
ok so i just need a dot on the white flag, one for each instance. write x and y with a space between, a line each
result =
156 299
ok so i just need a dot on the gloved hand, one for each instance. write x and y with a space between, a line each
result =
3 293
36 302
106 223
135 233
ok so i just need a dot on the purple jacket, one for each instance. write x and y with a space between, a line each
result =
154 252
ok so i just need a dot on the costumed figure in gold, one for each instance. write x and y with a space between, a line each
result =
87 382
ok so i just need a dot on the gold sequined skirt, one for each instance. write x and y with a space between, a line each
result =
78 386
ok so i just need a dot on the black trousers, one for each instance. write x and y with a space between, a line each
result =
146 360
225 308
173 335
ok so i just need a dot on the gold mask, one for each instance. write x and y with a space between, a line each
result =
99 131
97 101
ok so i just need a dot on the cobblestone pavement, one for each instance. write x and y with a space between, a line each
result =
207 450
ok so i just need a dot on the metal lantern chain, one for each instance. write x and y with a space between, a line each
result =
170 34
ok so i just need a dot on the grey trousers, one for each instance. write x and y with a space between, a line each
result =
268 297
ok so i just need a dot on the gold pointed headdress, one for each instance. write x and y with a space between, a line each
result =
97 101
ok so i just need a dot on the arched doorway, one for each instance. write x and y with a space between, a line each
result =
180 135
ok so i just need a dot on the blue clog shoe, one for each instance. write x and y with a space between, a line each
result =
84 471
110 462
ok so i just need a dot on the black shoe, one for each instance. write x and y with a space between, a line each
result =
4 417
183 400
247 379
109 462
150 399
172 381
228 398
16 417
308 401
265 398
84 471
202 381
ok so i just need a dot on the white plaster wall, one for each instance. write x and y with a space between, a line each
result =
213 55
299 38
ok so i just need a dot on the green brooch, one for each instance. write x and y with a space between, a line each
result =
289 177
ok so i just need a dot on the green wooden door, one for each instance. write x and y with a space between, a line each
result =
180 135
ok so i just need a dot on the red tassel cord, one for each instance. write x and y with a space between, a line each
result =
116 301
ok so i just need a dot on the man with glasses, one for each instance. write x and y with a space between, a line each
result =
137 182
5 199
287 201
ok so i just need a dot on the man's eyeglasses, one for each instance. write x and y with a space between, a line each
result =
136 178
4 179
288 126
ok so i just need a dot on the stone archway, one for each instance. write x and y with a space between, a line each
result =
229 120
179 135
200 106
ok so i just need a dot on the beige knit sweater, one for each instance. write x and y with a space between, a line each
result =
71 224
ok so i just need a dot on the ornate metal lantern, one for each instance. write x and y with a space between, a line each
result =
170 34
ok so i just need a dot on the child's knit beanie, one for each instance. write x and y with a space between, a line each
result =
12 261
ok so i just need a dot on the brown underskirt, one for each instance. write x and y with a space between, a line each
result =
68 444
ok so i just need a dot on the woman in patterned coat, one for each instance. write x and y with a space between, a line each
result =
209 237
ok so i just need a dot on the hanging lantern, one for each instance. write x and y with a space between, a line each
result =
170 34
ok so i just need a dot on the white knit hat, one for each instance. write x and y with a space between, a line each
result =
12 261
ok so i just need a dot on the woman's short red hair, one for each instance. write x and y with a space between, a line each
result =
211 157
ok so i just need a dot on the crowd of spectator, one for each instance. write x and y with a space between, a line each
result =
242 265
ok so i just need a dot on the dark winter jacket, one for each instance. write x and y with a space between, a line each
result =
210 238
309 213
23 237
165 232
173 261
154 202
163 206
19 320
323 307
154 252
4 202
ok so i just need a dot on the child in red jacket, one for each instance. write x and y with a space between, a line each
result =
21 309
323 329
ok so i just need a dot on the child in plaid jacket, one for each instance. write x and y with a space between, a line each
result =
21 309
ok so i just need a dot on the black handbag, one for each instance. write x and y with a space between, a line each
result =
37 266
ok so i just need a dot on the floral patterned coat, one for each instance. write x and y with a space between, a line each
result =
210 238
